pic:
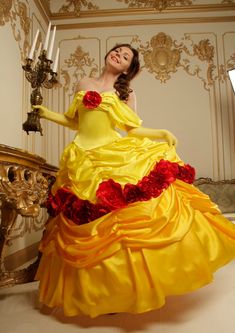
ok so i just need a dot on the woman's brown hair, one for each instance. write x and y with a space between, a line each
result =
122 85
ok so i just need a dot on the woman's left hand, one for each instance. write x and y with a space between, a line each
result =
170 138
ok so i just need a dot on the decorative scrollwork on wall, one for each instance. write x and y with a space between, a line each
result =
5 11
158 5
162 56
204 51
16 13
75 6
231 62
25 22
78 65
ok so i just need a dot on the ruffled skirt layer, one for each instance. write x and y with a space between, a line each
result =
130 259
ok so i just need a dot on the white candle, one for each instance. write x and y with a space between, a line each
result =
47 37
51 44
39 50
56 61
33 46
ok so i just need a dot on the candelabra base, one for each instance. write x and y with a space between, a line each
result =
32 123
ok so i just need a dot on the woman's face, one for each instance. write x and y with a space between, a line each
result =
120 59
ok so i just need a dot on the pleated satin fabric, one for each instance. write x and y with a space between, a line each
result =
132 258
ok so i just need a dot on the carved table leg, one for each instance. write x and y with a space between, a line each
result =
10 278
24 184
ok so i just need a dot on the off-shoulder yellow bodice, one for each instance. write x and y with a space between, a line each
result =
97 126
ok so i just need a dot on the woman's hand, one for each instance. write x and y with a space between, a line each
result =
42 110
170 138
56 117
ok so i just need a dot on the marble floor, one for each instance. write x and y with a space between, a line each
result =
208 310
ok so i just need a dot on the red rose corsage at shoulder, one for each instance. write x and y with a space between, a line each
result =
92 99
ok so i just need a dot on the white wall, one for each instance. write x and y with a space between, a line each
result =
10 89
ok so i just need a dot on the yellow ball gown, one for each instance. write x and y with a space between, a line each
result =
130 258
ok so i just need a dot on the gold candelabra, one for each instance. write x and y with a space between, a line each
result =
41 75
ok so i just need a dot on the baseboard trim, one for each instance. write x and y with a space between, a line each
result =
19 258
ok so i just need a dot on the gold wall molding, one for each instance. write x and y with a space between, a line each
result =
122 23
158 5
76 6
16 13
223 68
5 11
86 9
162 56
142 11
205 52
231 62
44 9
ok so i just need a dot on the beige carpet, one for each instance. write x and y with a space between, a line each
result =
208 310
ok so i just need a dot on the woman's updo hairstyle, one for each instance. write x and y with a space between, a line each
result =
122 85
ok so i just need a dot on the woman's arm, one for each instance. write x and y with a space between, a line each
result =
153 134
57 117
148 132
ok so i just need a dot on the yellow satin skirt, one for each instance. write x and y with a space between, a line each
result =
130 259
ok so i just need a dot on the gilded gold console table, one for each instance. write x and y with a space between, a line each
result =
24 182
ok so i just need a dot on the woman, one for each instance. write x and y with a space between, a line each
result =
126 227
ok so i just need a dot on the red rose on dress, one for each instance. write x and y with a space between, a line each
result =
55 204
186 173
91 99
98 210
166 172
52 206
79 211
132 193
111 195
149 187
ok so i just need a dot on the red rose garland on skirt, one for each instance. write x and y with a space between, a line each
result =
112 196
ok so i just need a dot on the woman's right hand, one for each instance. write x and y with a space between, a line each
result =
42 110
56 117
